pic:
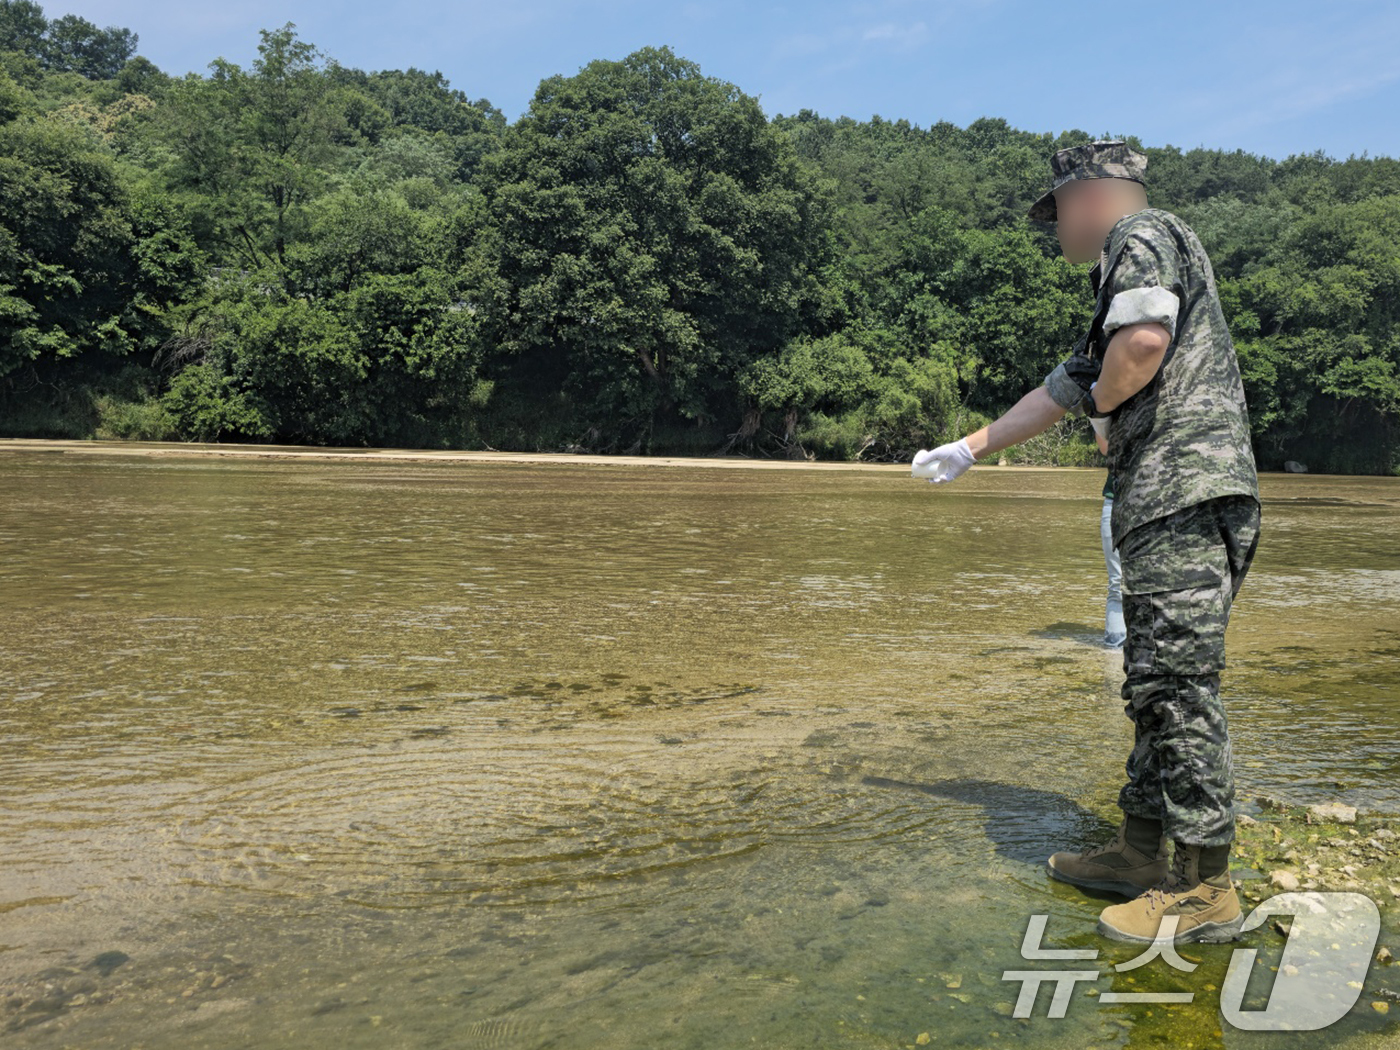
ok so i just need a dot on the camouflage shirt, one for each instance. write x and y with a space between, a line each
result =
1184 437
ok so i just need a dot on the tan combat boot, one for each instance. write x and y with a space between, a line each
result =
1116 866
1205 909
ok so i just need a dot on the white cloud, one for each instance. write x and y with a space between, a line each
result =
805 45
883 35
901 37
1332 64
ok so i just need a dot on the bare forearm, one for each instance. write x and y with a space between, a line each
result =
1033 414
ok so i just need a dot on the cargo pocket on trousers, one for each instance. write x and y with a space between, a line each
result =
1175 612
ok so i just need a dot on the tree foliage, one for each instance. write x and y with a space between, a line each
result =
651 234
68 44
644 260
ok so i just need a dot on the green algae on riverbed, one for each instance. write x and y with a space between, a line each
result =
1289 848
355 753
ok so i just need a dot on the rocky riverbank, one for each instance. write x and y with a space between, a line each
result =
1326 847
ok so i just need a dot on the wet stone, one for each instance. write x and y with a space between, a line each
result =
107 962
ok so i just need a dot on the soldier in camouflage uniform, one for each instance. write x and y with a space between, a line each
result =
1157 375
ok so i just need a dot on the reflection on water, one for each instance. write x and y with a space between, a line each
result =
513 754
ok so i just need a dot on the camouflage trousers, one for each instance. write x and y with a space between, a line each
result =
1181 574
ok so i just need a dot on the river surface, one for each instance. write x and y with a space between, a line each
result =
353 753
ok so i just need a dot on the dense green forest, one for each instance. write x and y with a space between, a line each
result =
644 261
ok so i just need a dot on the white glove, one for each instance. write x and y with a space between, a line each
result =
944 463
1099 423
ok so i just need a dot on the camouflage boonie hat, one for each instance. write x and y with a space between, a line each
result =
1093 160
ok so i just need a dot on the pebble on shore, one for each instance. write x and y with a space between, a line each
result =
1325 846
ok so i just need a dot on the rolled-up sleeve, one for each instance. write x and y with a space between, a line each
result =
1141 306
1145 280
1069 383
1064 391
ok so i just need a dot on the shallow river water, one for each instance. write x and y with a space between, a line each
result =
361 753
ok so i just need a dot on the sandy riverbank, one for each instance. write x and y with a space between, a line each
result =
179 448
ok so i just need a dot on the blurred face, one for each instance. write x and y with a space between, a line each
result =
1080 207
1086 209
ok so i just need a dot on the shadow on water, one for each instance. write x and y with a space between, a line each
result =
1026 825
357 755
1071 632
1023 823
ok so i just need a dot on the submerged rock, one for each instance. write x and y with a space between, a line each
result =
1332 813
108 961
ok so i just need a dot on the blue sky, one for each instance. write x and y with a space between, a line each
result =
1271 78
